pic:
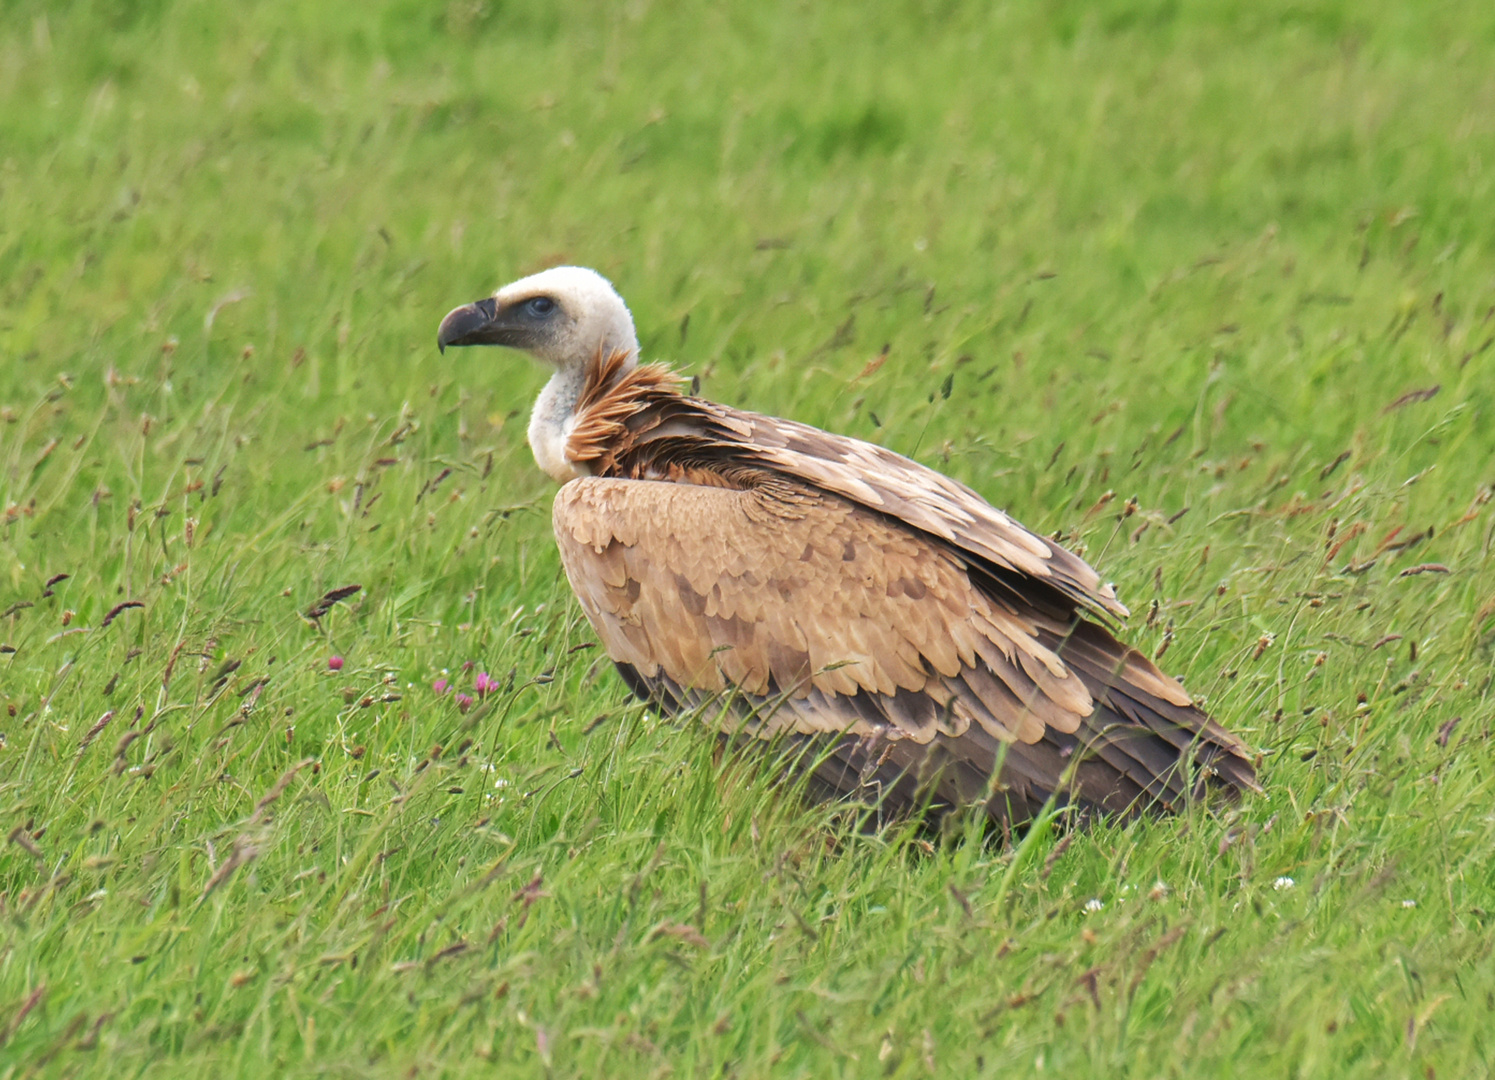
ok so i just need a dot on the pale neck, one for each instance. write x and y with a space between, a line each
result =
552 419
554 415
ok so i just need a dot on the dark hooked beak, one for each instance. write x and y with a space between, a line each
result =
474 324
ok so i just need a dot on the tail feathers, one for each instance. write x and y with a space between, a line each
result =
1114 674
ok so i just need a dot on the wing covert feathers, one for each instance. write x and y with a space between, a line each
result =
815 619
882 480
906 639
634 422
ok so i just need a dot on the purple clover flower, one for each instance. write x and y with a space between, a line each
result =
441 686
484 684
335 663
464 702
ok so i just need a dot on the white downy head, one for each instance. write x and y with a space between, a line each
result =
565 316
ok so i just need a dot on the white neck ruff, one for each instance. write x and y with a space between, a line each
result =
552 420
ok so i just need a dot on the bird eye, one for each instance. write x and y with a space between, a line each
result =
540 306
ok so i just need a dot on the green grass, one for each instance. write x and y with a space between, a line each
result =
1233 259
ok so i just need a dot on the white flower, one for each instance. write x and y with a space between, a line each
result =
1283 883
1409 903
1094 904
1158 891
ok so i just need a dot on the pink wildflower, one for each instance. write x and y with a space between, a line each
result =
441 686
464 702
484 684
335 663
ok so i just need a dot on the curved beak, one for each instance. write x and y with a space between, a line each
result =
473 324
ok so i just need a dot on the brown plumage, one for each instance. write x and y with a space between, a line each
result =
912 643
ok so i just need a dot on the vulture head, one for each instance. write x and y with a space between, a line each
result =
564 316
568 316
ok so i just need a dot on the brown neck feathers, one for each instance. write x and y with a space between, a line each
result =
618 405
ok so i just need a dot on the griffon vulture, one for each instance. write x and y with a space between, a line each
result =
920 646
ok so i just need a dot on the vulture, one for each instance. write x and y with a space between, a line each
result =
915 648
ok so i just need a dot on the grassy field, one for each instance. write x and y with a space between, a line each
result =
1234 260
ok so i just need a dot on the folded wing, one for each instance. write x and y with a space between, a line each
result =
913 668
